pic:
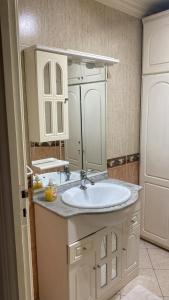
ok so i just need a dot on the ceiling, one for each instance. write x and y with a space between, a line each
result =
137 8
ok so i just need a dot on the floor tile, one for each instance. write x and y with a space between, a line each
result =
146 278
163 279
144 259
150 245
159 258
142 244
116 297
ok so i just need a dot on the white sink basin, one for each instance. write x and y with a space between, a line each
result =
100 195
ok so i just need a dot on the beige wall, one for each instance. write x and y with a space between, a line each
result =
89 26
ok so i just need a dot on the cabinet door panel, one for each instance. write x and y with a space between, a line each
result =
73 151
130 256
154 171
93 73
156 213
156 45
108 260
93 125
75 73
82 279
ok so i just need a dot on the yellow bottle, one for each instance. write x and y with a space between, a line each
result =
37 184
50 192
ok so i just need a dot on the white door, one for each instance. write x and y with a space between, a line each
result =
82 278
17 149
93 98
154 173
73 146
108 261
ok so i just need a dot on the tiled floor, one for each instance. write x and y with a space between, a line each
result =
153 272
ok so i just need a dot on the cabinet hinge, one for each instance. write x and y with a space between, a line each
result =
24 194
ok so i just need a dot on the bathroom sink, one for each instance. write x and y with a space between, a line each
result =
100 195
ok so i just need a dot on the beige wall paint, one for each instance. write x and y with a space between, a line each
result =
90 26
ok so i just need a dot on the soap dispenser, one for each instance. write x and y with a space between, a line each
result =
50 191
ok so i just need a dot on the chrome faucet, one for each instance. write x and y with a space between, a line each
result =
67 173
84 179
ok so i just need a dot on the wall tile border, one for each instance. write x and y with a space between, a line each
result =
119 161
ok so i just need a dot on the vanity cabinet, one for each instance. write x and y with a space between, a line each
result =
156 43
80 259
79 73
47 93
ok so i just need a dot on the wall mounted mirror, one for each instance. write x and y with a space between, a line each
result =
86 146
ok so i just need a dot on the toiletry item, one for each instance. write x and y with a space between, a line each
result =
50 191
37 183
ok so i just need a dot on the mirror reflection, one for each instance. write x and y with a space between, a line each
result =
86 147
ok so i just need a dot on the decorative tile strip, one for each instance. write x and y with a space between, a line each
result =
45 144
119 161
133 157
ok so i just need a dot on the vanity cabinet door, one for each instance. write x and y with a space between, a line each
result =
130 255
82 278
108 261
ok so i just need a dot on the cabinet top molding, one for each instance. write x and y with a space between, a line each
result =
77 55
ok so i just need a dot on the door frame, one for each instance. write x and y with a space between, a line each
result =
17 149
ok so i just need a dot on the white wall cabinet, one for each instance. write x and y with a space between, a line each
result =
47 92
156 43
154 171
79 73
94 267
86 147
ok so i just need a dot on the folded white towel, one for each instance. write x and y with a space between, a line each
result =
140 293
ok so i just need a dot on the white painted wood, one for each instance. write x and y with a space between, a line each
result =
73 146
130 253
82 278
77 55
154 174
43 125
93 98
85 72
48 163
17 149
111 255
156 44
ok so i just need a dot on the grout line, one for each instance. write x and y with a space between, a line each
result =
155 274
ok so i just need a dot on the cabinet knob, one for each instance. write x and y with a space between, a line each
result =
81 77
98 266
94 268
124 249
78 78
84 248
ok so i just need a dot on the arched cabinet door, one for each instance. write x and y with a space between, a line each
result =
154 174
46 86
156 44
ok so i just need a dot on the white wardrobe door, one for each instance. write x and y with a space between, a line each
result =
154 174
